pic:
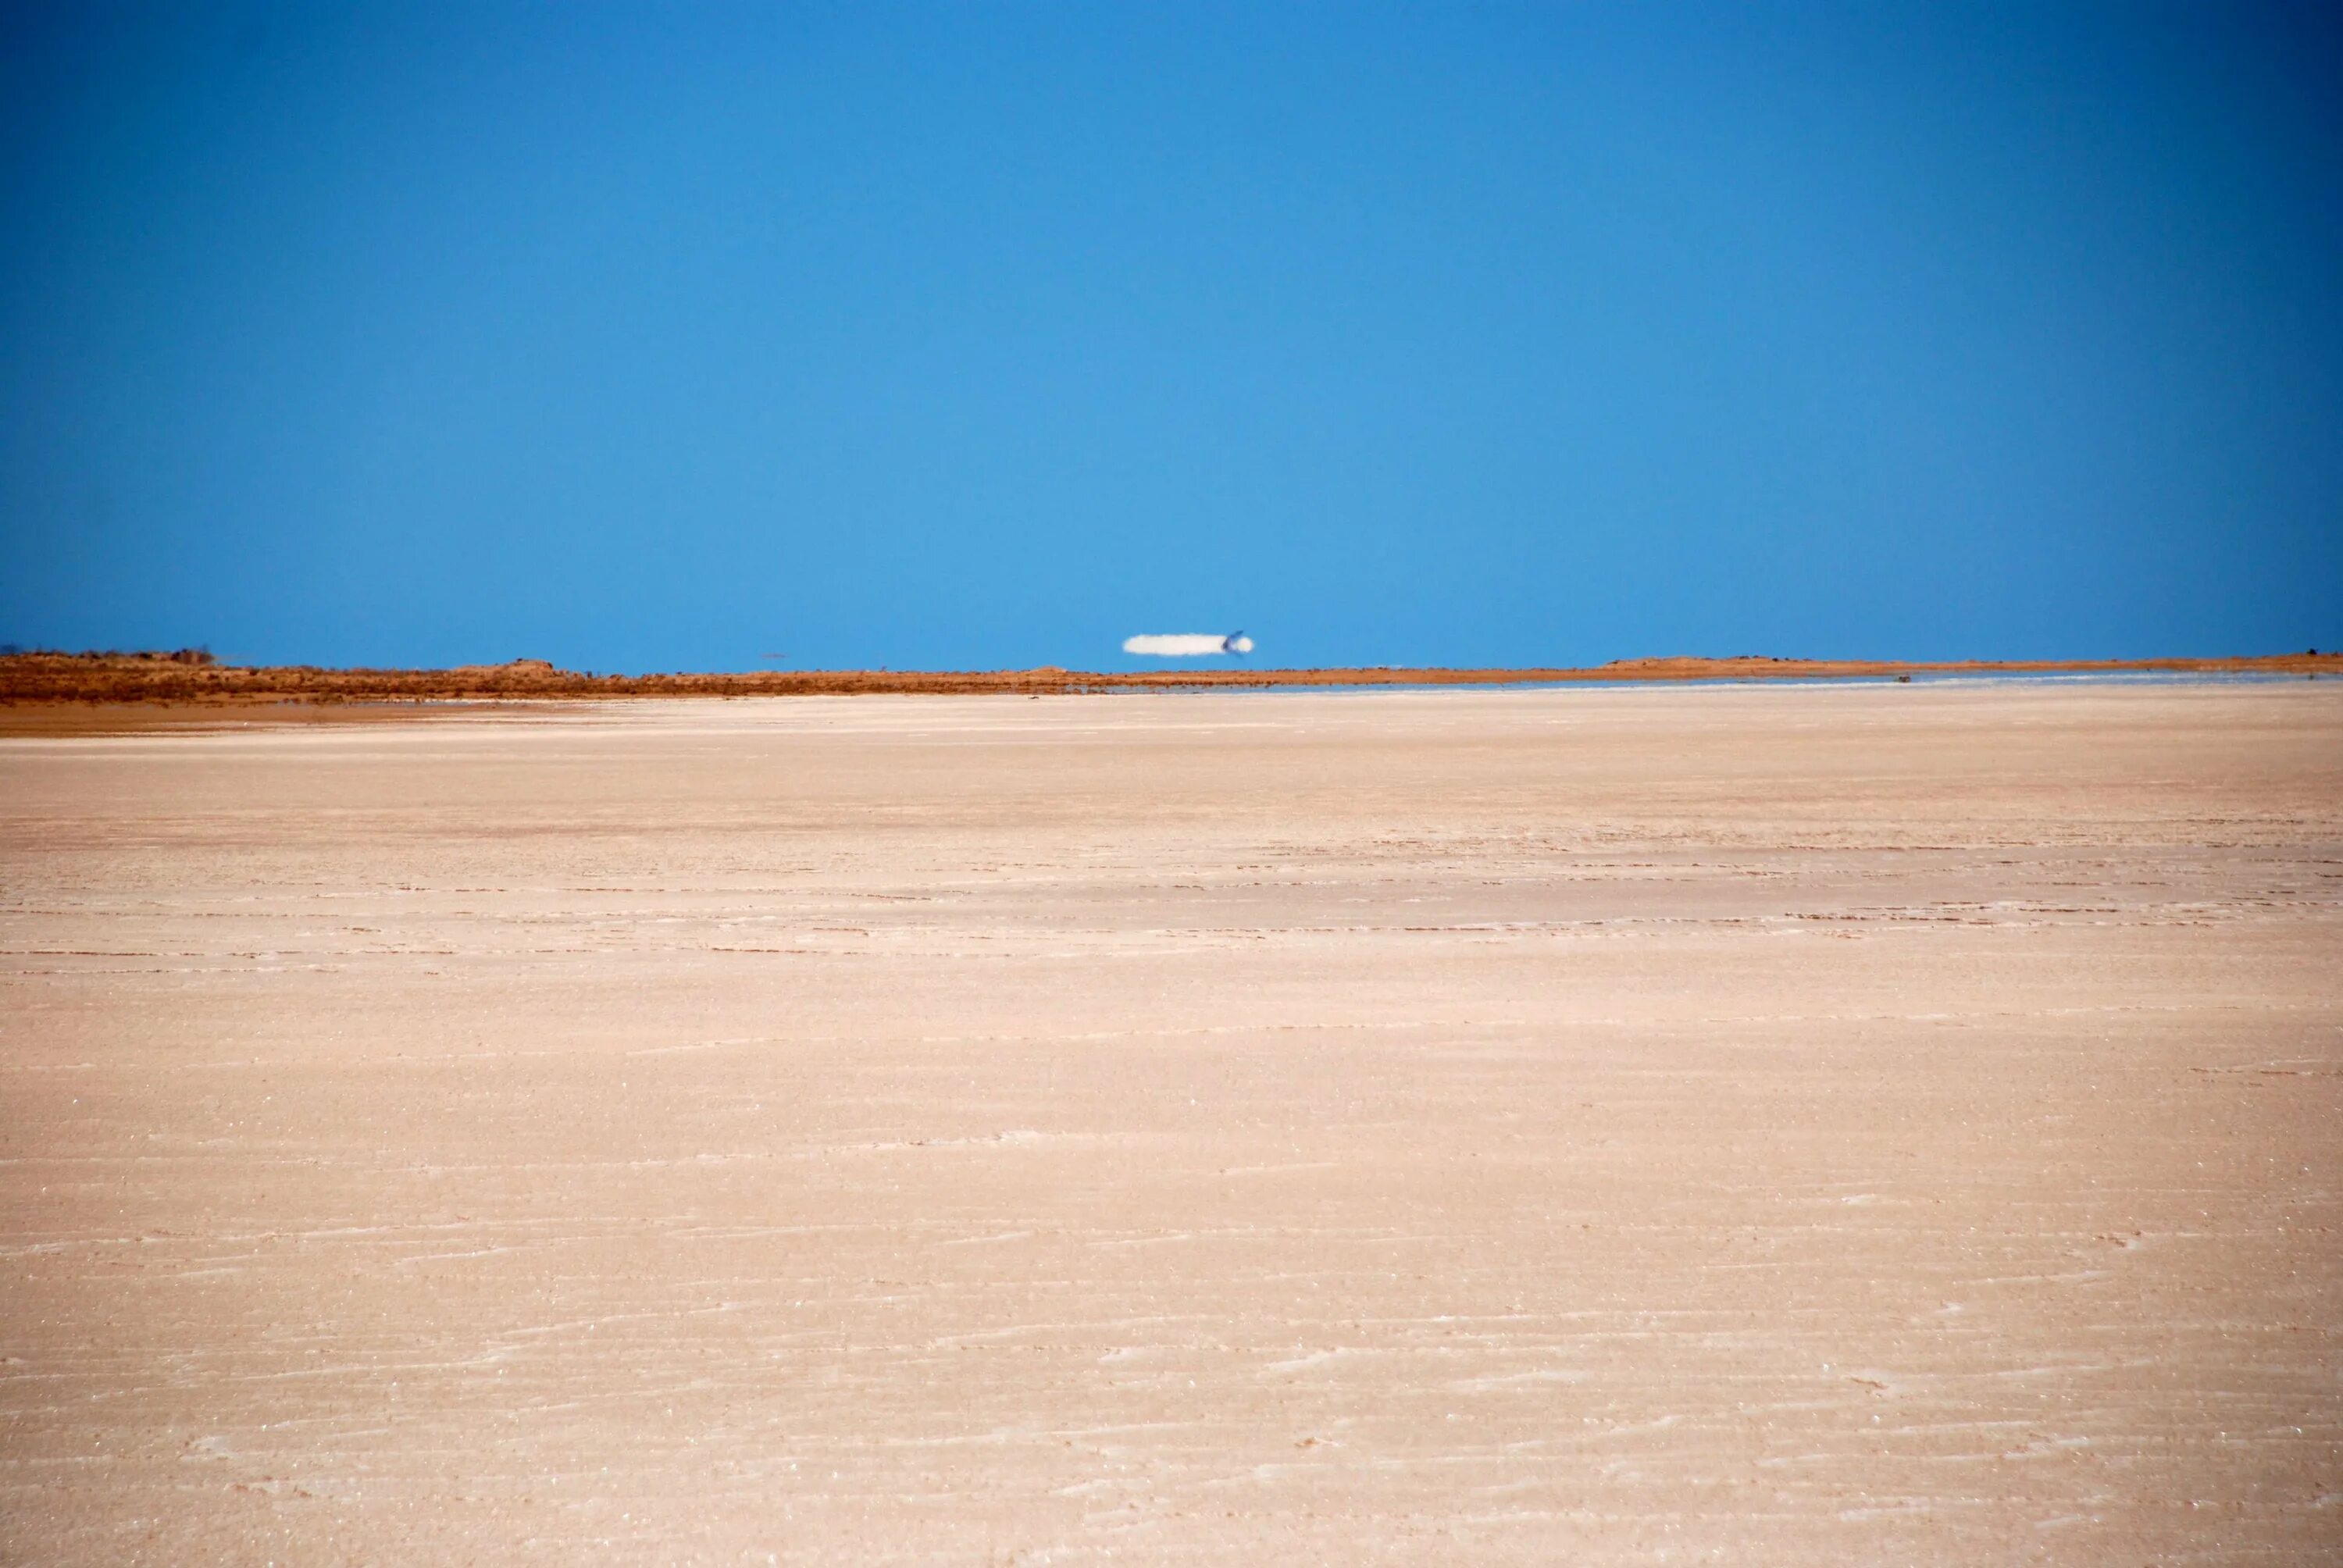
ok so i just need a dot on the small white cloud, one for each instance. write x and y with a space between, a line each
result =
1187 645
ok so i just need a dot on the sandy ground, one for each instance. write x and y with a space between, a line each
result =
1792 1125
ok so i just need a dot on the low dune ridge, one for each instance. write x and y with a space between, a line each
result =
181 678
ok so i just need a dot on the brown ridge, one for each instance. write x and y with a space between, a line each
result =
188 677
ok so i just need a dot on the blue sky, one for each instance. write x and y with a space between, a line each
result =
667 337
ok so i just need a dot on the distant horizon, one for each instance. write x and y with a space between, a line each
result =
200 656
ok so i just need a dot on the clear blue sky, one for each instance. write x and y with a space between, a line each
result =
653 336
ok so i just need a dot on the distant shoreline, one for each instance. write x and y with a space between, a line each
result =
188 679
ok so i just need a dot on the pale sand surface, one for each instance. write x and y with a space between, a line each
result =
1774 1125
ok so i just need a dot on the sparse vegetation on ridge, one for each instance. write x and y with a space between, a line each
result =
193 676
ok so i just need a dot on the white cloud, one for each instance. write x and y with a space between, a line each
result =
1187 645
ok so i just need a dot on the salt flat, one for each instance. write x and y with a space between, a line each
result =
1787 1125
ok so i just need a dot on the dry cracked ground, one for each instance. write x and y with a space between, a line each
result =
1874 1124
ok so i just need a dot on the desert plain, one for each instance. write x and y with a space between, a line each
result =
1797 1124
